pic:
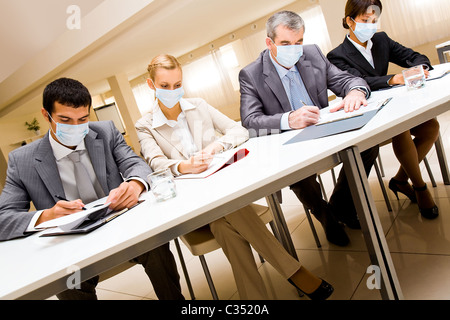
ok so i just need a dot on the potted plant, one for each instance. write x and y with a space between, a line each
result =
34 126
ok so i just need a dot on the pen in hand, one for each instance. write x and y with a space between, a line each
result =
304 104
64 199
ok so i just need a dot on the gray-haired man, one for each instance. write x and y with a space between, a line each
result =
284 89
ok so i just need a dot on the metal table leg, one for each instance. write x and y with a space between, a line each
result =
370 223
281 225
442 160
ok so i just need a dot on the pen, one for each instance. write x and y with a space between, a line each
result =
64 199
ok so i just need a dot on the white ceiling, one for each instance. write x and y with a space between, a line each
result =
166 26
27 27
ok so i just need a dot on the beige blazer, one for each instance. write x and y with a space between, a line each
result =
161 147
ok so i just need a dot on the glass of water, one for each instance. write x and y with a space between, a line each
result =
162 185
414 78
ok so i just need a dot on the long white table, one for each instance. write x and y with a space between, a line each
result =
37 267
407 110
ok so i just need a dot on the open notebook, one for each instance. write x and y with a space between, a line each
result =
326 116
97 213
220 161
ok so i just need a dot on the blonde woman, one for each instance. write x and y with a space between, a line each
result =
180 134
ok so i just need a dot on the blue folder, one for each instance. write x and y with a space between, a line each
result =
332 128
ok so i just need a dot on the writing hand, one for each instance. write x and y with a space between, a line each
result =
60 209
198 163
304 117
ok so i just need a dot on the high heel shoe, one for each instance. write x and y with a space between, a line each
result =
322 293
394 186
428 213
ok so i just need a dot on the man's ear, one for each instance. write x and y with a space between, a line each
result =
269 43
45 114
150 84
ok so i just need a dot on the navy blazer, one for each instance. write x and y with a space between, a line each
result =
347 57
264 99
33 175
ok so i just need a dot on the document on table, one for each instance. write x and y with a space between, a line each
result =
220 161
94 210
438 74
326 116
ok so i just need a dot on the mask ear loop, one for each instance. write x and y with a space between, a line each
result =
355 25
54 122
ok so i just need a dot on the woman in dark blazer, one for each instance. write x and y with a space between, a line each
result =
367 54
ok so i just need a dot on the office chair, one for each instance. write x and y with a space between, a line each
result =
201 241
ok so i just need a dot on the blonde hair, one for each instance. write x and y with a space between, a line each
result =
164 61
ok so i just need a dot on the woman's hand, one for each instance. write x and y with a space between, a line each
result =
198 163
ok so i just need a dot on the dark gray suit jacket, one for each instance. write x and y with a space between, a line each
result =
264 100
33 175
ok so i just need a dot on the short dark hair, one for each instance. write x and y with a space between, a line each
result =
354 8
68 92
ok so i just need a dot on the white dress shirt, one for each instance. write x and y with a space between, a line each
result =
180 128
365 51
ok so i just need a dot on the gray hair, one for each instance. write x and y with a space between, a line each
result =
289 19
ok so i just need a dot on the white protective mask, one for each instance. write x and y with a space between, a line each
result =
169 98
288 56
364 31
70 135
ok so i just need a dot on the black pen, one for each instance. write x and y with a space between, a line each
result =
64 199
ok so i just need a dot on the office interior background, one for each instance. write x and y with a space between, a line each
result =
107 45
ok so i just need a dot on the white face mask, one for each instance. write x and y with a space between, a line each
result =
169 98
364 31
288 56
70 135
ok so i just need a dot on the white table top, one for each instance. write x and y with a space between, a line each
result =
33 262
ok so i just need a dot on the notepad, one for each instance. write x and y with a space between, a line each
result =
326 116
438 74
99 214
94 211
220 161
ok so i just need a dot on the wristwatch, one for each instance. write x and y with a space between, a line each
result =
363 90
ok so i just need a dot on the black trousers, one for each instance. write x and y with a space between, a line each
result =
308 190
160 266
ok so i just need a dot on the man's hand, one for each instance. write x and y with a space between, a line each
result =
304 117
353 101
60 209
125 196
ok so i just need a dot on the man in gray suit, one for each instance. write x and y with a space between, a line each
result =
43 172
284 89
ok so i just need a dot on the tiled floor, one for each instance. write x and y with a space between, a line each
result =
420 249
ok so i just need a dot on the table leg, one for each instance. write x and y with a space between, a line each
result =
442 160
281 225
370 224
